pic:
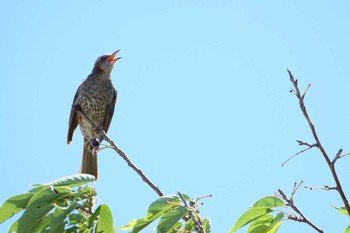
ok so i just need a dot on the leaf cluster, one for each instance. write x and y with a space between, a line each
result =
67 205
63 205
173 215
265 216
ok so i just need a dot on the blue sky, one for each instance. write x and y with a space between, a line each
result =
204 104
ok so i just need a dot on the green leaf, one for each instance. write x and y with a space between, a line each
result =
267 223
86 192
161 205
76 218
189 226
43 225
347 230
57 223
170 219
128 226
13 227
13 205
258 229
261 224
277 219
47 194
38 207
186 197
341 209
249 216
73 229
206 225
269 202
275 227
105 222
33 215
140 224
70 181
93 218
155 210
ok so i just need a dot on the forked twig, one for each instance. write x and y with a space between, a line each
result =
339 155
318 144
301 217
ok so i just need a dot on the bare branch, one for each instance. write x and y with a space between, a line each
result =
331 164
301 217
122 154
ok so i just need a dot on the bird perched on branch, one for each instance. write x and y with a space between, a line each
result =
94 100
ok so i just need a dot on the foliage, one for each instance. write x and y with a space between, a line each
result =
173 214
260 216
66 205
63 205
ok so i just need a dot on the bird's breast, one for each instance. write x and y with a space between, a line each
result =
93 99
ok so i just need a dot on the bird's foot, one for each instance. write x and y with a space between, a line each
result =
95 143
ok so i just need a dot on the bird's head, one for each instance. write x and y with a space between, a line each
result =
105 63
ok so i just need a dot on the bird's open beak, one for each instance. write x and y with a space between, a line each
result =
112 59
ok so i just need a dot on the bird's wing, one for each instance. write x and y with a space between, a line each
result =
109 111
73 120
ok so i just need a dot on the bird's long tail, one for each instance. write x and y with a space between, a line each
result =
89 161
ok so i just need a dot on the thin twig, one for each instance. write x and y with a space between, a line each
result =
343 155
326 187
308 86
301 217
197 222
122 154
295 189
331 165
301 143
337 156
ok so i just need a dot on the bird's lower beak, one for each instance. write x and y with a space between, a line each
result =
112 59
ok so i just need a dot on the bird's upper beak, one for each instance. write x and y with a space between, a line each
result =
112 59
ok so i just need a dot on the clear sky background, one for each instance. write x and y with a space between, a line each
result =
204 103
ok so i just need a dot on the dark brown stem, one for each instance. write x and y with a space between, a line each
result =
197 222
301 217
331 164
123 155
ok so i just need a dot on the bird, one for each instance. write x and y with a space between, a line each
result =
95 99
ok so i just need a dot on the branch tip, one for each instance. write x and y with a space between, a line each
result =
120 152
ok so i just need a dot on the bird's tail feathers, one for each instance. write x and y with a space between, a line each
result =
89 162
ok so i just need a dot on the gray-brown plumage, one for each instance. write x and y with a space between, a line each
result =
95 98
